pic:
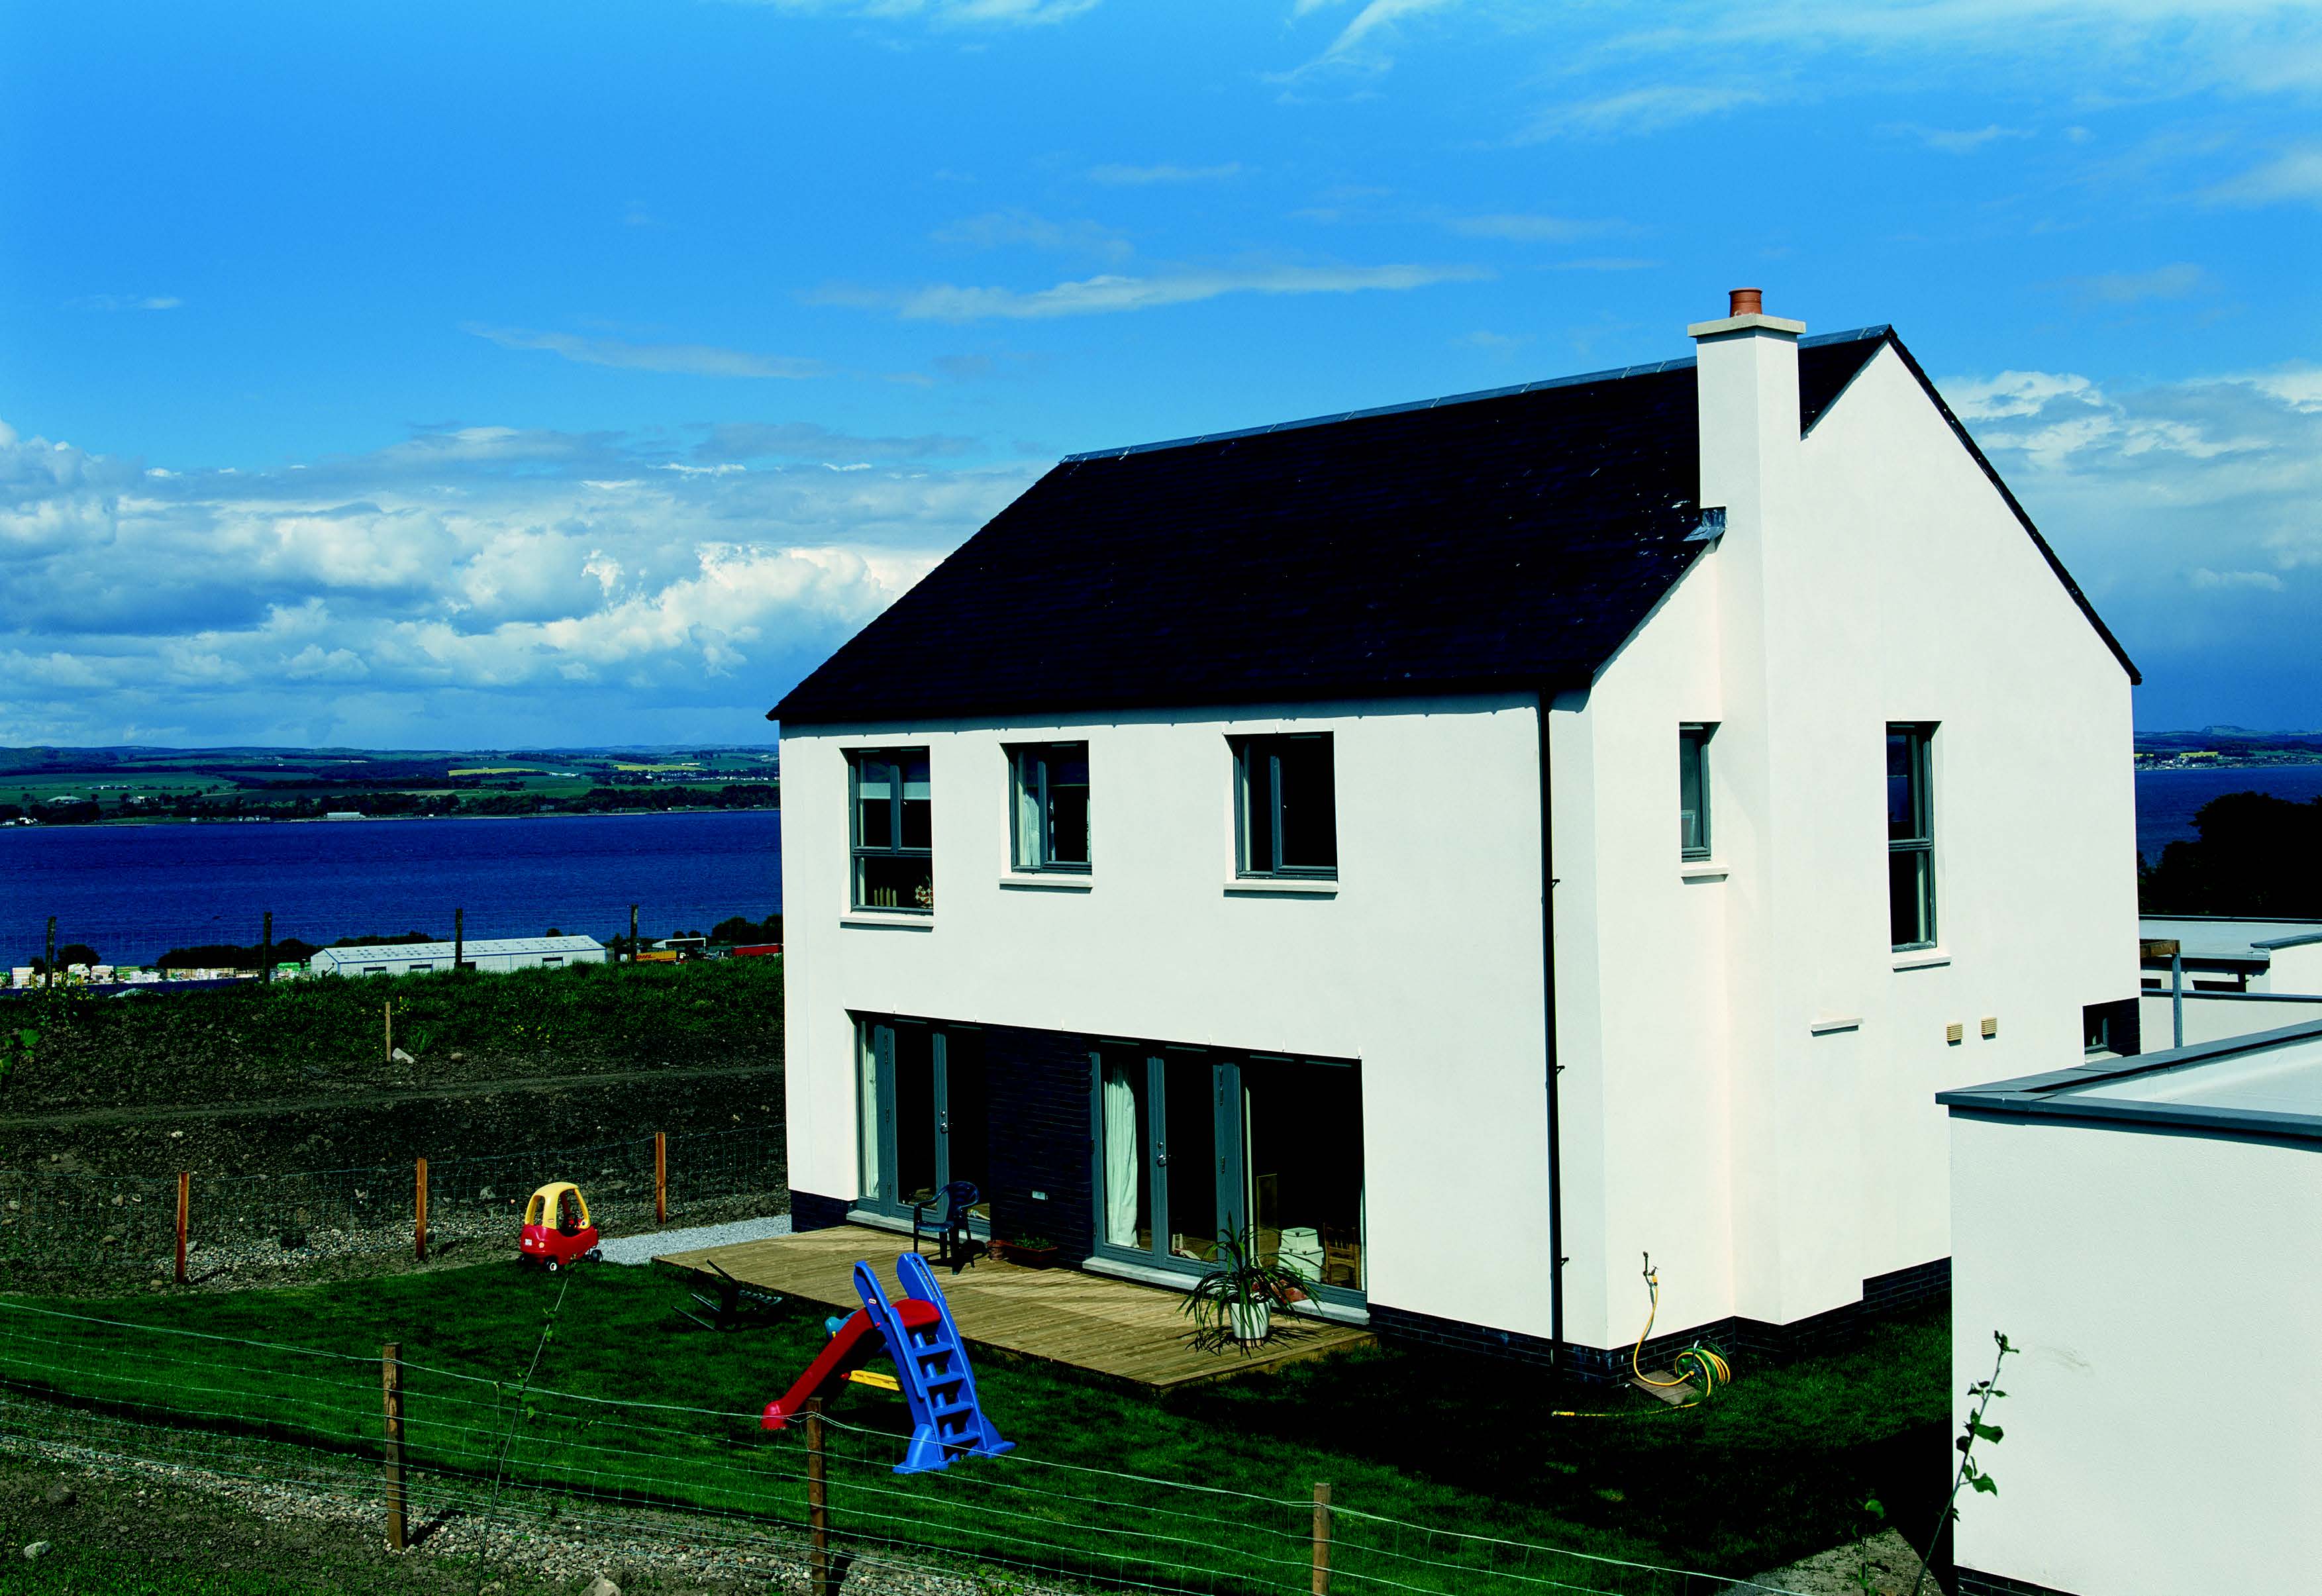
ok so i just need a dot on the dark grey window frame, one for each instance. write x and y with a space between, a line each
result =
1225 1168
1030 854
857 852
1267 745
1922 843
1693 737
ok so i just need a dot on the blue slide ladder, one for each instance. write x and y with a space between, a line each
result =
931 1366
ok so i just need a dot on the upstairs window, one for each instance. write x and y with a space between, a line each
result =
1910 837
894 829
1693 791
1052 807
1288 817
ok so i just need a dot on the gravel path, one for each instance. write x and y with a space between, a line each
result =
645 1248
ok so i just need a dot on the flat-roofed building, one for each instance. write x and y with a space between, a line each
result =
418 958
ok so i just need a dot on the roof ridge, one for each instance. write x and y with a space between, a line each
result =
1610 374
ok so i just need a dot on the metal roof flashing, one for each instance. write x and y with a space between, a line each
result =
2072 1094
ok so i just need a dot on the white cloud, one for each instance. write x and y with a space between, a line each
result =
1956 140
2188 513
127 302
485 572
1099 296
1637 111
692 359
2295 175
1363 42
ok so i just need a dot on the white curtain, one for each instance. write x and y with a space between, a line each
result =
1122 1154
867 1113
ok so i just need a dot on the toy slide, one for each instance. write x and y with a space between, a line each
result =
931 1368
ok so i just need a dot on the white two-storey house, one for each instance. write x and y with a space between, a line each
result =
1470 846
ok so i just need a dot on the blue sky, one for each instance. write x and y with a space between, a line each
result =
535 373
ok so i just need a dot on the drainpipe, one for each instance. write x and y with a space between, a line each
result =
2176 993
1547 987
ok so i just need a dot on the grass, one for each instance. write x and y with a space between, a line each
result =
583 1017
1773 1471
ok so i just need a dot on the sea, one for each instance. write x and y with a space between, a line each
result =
134 892
2167 800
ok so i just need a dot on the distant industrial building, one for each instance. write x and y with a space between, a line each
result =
414 958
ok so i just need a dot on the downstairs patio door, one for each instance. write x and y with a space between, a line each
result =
926 1116
1193 1144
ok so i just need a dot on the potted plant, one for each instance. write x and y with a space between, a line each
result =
1234 1303
1033 1251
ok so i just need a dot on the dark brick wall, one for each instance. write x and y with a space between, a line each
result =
1974 1582
810 1210
1424 1329
1039 1082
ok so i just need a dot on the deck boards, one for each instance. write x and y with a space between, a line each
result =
1090 1321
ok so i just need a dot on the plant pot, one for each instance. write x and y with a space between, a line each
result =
1025 1257
1252 1321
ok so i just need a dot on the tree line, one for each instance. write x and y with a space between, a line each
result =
2255 855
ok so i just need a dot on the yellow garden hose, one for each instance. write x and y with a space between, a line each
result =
1708 1365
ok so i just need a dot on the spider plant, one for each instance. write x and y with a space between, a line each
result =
1234 1303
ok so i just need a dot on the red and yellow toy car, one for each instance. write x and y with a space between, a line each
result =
556 1228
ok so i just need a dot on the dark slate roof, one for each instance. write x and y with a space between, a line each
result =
1506 540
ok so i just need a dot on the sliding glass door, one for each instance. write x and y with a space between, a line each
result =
925 1113
1193 1145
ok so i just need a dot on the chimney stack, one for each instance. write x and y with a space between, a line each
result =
1747 377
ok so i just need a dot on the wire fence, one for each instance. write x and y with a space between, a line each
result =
66 1228
467 1457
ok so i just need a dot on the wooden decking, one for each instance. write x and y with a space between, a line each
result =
1063 1315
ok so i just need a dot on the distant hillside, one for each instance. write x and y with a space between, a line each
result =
2240 744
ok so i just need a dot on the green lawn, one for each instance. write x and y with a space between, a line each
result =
1771 1470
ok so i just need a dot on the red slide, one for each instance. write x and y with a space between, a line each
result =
857 1342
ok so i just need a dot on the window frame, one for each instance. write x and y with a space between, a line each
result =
1921 745
1268 743
1029 855
897 757
1695 734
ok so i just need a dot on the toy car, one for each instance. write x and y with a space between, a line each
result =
556 1228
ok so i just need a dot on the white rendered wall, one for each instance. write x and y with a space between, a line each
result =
2297 969
1750 1069
1425 965
2213 1017
2163 1427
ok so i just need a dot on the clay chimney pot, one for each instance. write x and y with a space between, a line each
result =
1748 302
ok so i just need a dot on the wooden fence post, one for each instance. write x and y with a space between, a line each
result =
391 1380
185 1208
632 935
387 1014
266 950
419 1209
817 1504
1321 1538
661 1177
49 965
459 939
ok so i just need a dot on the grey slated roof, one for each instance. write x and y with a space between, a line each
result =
2267 1085
1507 540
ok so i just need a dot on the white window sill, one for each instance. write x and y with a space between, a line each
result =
873 920
1832 1025
1048 882
1922 959
1702 869
1281 887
